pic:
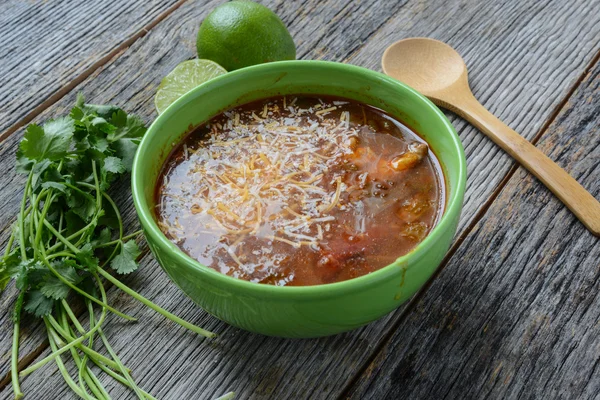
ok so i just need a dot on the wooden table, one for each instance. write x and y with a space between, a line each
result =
513 311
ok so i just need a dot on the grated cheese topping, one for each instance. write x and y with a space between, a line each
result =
264 176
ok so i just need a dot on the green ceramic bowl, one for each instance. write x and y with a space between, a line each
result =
312 310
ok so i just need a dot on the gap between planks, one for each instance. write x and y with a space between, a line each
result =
116 52
482 211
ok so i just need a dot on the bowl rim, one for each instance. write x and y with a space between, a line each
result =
151 229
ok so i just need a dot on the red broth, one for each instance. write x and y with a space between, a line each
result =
300 190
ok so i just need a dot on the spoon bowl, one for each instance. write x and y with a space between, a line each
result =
439 72
404 60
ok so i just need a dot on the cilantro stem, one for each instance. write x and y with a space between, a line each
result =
33 222
122 368
120 222
85 378
117 241
81 292
84 375
64 254
9 246
22 217
60 222
53 339
60 237
155 307
92 322
91 352
58 352
72 316
99 385
112 203
124 381
74 343
14 371
69 238
117 212
110 372
38 234
124 372
75 188
97 185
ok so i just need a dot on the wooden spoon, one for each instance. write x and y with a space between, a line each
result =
438 71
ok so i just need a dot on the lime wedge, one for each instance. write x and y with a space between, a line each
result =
184 78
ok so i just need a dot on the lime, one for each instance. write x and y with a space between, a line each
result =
242 33
184 78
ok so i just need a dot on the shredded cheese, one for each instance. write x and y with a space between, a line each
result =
325 111
263 176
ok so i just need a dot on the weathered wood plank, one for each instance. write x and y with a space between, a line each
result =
317 368
515 312
46 44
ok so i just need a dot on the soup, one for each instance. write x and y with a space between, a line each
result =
300 190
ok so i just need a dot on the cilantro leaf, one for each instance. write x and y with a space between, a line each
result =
126 138
5 277
82 205
125 262
55 185
73 222
102 237
114 165
9 268
104 111
127 127
51 142
54 288
76 112
38 304
102 125
39 171
86 256
30 273
125 149
23 164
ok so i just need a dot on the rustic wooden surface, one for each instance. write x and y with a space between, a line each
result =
48 45
525 59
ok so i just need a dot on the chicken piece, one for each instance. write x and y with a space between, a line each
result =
352 143
416 152
412 209
415 231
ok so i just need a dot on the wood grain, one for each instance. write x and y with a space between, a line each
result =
515 312
176 364
47 44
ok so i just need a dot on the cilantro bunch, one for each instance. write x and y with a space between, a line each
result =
67 235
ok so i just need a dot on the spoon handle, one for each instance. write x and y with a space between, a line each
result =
563 185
